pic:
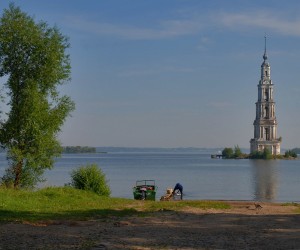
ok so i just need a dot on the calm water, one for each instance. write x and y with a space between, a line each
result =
201 176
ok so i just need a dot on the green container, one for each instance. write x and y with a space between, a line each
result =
144 190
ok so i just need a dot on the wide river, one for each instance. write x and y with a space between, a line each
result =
201 176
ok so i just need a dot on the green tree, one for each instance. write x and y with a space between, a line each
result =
227 153
266 154
33 59
90 178
296 150
290 153
237 152
256 155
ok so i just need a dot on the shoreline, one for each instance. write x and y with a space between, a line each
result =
243 226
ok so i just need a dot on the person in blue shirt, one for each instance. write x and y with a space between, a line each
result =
178 187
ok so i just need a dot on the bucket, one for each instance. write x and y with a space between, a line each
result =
177 196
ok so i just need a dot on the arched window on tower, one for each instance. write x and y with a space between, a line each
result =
266 113
267 134
266 95
266 73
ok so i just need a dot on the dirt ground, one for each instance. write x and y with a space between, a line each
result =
243 227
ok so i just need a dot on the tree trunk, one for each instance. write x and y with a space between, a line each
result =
18 171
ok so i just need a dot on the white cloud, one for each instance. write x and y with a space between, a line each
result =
262 19
165 29
283 23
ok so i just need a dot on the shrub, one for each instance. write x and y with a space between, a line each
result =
227 153
90 178
256 155
265 154
290 153
296 150
237 152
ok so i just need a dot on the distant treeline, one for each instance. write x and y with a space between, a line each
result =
266 154
296 150
78 149
156 150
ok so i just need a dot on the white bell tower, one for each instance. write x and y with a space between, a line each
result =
265 123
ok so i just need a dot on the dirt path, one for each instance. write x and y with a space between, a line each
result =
242 227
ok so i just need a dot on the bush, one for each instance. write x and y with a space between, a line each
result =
266 154
296 150
237 152
290 153
90 178
227 153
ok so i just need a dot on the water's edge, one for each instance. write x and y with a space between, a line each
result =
202 177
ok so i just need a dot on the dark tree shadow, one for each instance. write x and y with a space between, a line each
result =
164 229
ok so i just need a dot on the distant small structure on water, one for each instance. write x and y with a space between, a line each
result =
218 155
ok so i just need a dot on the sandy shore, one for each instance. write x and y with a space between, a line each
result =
243 227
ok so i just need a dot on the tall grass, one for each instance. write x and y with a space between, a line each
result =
67 203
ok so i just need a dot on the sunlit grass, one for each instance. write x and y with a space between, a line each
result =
294 204
181 205
68 203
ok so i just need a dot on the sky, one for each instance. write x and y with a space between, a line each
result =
174 73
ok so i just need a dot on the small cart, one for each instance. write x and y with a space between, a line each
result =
144 190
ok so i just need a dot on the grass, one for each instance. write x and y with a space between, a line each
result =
181 205
295 204
66 203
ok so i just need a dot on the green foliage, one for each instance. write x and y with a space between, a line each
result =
265 154
296 150
290 154
182 204
256 155
90 178
227 153
67 203
28 179
58 203
237 152
34 62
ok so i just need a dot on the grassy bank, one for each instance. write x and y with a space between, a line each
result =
65 203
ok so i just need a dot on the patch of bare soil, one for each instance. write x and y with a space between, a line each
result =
245 226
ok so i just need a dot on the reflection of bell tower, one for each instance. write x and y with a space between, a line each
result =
265 179
265 123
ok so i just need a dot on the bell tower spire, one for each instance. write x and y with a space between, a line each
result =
265 56
265 123
265 67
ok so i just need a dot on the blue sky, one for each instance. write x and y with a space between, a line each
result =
175 73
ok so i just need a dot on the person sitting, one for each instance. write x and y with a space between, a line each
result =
178 188
143 191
